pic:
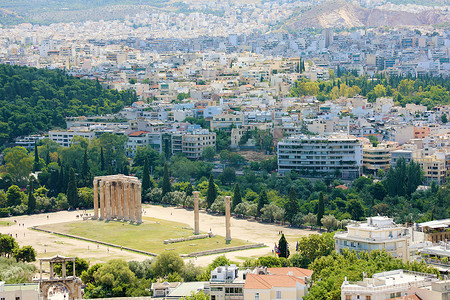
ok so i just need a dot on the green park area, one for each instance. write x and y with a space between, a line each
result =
148 236
4 223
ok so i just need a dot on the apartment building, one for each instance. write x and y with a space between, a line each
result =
335 155
436 231
375 234
377 158
65 137
21 291
227 283
226 121
386 285
143 138
434 168
193 143
268 287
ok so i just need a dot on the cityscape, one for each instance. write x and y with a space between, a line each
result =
225 150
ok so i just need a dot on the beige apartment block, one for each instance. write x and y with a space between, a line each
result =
377 158
376 233
434 168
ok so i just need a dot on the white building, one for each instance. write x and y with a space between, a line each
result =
376 233
385 285
193 143
65 137
321 155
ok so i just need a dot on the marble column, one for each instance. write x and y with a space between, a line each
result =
227 219
132 201
102 199
139 203
196 213
126 201
108 201
114 198
120 200
95 198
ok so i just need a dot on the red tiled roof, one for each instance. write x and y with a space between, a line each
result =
409 297
138 133
297 272
254 281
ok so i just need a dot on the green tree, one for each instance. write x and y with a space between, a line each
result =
236 196
72 191
444 118
320 210
166 185
13 196
291 208
329 222
18 164
85 169
315 246
146 178
208 153
31 198
167 263
7 245
36 159
283 247
25 254
355 209
102 159
211 193
262 200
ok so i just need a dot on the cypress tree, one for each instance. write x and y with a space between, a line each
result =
320 209
211 193
166 186
283 247
102 160
31 198
262 200
85 167
61 180
145 178
236 196
189 190
72 192
36 158
126 170
292 206
47 156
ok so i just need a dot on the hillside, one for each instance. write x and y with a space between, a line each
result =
33 100
51 11
342 14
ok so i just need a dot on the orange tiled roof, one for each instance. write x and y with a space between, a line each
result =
297 272
138 133
254 281
409 297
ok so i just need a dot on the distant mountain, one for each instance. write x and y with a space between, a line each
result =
51 11
342 14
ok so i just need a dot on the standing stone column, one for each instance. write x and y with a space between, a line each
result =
120 200
114 198
139 203
102 199
196 213
108 201
126 201
132 201
227 219
95 198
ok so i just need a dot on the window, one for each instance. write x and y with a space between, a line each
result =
256 296
278 294
17 298
348 297
368 297
213 297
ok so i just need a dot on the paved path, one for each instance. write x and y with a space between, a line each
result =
48 245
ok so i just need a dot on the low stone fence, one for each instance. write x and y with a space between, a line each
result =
224 250
189 238
94 241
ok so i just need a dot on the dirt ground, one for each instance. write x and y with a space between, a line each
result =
48 245
254 155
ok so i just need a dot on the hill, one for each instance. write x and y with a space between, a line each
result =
341 14
52 11
33 100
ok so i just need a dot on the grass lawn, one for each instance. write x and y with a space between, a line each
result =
4 223
148 236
